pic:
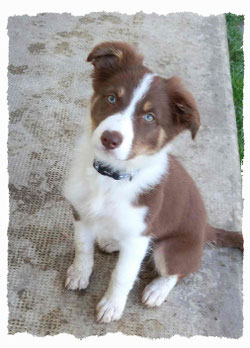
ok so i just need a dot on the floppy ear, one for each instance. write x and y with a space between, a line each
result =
109 57
182 106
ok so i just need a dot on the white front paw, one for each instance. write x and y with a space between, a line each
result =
77 278
109 309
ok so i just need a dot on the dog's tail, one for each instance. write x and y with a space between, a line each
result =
223 238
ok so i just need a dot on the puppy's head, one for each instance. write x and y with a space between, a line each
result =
133 111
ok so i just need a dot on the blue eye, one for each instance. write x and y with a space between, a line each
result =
112 99
148 117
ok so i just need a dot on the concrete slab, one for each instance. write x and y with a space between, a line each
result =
49 91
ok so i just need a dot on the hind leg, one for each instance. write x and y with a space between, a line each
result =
173 260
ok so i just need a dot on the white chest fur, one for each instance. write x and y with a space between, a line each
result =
107 205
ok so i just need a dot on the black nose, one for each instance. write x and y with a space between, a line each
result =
111 140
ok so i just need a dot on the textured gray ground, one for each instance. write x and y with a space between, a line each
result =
49 91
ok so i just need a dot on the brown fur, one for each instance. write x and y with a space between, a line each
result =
225 238
176 217
177 220
110 57
171 104
75 214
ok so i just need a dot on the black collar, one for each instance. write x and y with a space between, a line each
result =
104 169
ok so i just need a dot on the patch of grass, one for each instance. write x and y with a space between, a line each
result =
235 28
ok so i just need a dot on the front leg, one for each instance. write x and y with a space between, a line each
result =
132 252
79 272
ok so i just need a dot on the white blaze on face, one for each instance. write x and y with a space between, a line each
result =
122 122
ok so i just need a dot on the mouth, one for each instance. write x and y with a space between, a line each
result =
107 154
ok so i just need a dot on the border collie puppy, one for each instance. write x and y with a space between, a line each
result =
127 192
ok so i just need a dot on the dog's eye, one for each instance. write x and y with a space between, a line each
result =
111 99
148 117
